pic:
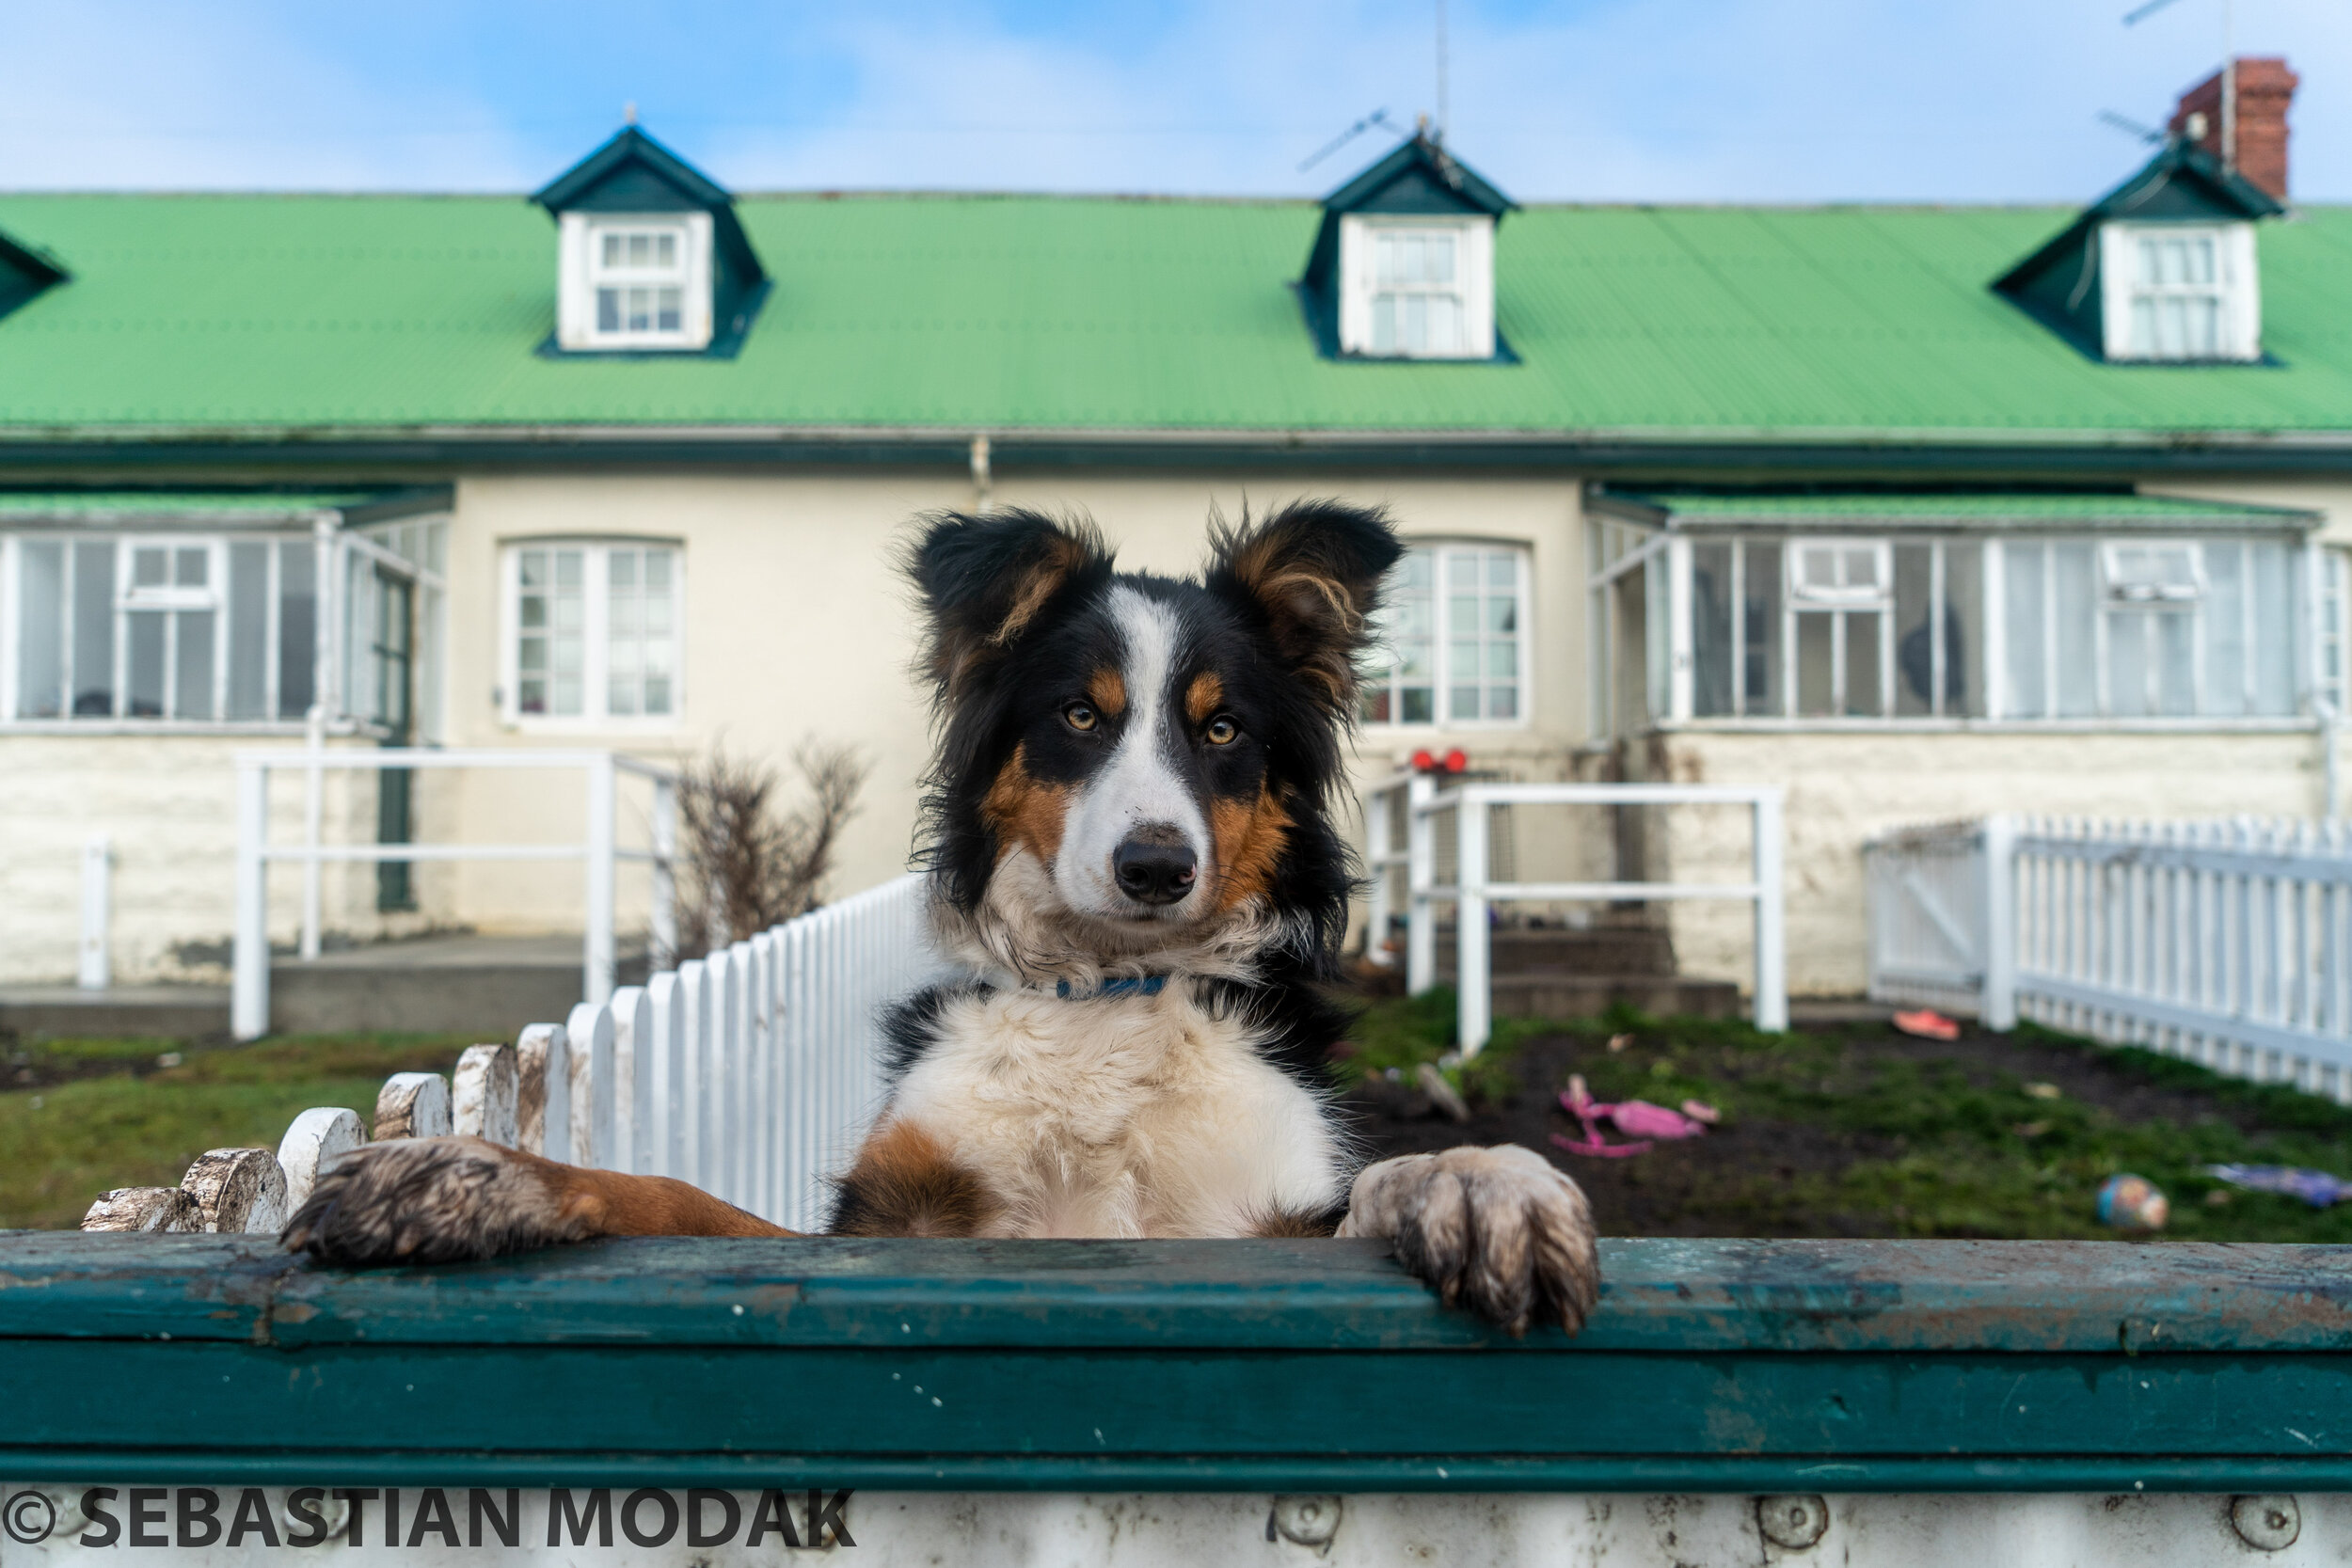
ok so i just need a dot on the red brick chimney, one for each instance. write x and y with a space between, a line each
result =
2265 86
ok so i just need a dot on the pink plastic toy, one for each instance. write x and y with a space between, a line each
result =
1647 1124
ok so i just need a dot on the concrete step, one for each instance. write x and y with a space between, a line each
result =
120 1012
1594 950
489 986
1565 995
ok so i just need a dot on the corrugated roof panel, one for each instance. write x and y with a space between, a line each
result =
988 313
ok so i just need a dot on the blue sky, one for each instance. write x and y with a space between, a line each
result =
1584 100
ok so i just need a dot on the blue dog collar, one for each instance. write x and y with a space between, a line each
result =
1150 985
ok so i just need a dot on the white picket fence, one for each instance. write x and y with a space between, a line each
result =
751 1073
2226 942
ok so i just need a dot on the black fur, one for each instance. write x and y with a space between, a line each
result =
1280 615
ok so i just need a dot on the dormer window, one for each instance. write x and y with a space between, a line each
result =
651 257
645 283
2161 270
2180 292
1418 289
1403 263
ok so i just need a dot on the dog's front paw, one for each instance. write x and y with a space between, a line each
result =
432 1201
1498 1231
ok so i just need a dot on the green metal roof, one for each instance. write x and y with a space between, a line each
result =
1973 507
248 316
216 506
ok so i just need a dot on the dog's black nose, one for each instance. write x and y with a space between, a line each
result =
1152 870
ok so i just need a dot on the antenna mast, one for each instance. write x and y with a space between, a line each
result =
1441 103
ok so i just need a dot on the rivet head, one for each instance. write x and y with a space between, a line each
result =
2267 1524
1792 1521
1307 1521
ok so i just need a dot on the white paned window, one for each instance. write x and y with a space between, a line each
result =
594 632
182 629
2009 628
1450 644
635 282
1417 288
1841 601
2178 292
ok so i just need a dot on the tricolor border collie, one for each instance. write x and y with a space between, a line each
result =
1130 839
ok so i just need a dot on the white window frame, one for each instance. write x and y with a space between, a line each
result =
1840 603
1442 653
581 272
2237 283
1475 278
595 634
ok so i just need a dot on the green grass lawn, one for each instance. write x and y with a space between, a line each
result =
1860 1131
1855 1131
101 1114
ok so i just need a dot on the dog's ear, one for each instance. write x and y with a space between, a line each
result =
984 578
1309 574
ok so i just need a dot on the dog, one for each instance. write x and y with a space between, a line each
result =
1128 829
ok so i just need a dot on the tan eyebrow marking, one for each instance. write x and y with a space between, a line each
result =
1110 690
1204 697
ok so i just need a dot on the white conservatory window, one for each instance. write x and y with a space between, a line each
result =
192 628
594 632
1451 641
185 630
635 282
2176 292
1417 288
1757 628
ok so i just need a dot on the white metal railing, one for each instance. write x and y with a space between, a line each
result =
751 1073
1474 893
2227 943
248 996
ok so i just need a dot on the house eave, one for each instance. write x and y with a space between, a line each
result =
1589 449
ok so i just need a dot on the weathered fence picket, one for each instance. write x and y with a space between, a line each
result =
2224 943
751 1072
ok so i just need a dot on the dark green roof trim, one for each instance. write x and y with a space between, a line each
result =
25 272
1419 177
2058 285
220 507
1967 509
632 151
1663 458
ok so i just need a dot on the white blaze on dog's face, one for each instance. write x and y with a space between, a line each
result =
1135 834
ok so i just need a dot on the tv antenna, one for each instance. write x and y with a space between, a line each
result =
1377 119
2129 126
2147 9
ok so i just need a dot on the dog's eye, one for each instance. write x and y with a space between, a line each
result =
1080 716
1222 731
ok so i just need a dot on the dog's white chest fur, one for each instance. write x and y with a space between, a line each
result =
1120 1116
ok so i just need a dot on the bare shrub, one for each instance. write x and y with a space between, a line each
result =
747 859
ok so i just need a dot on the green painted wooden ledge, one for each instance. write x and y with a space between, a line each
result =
1285 1366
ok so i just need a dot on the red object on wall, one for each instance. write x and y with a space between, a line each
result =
1455 761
